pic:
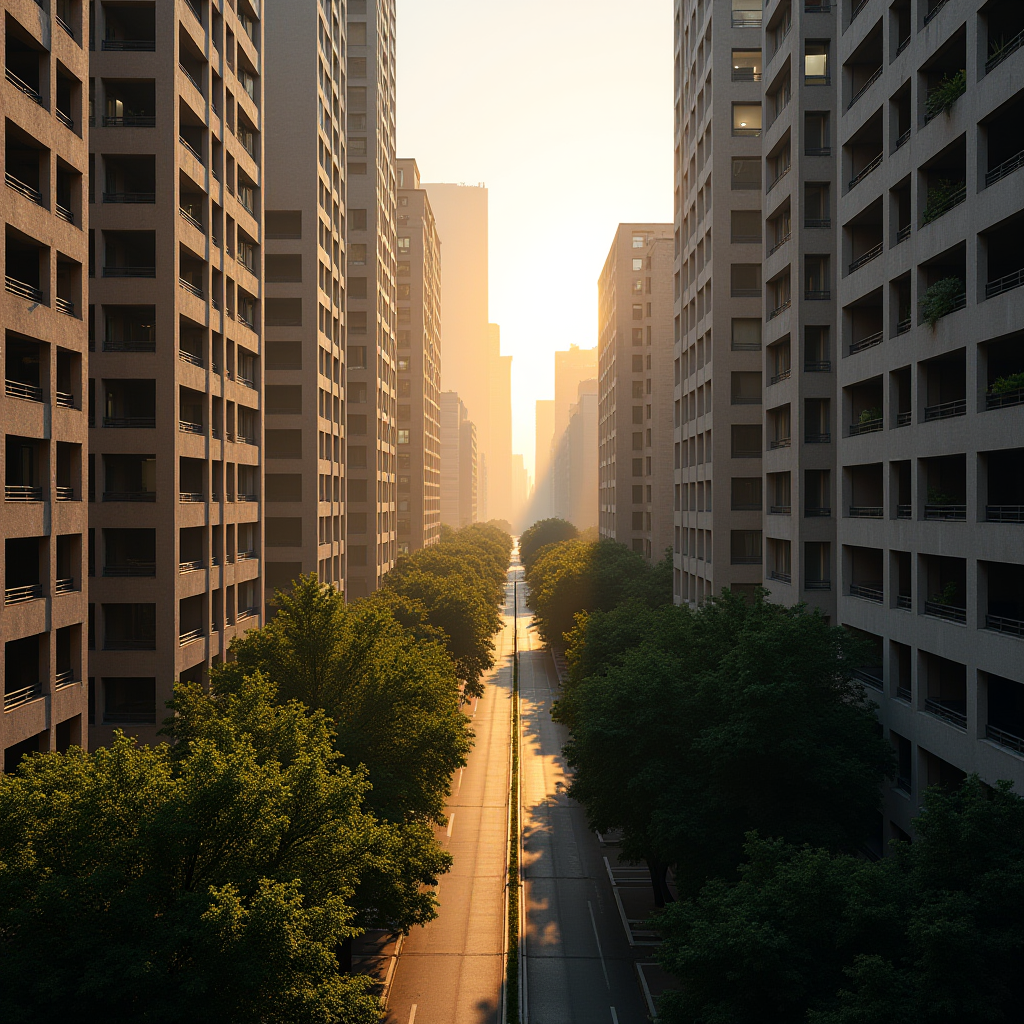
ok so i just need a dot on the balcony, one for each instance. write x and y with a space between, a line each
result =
1004 738
948 711
871 676
869 425
867 591
869 168
21 594
866 512
1001 170
1004 284
946 612
25 695
873 253
868 341
948 512
946 410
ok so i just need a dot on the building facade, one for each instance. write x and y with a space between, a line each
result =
176 377
800 110
460 463
304 485
930 402
718 292
542 504
635 396
44 619
575 461
419 365
371 317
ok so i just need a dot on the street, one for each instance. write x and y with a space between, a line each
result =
578 963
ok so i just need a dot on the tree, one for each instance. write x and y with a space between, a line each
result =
211 882
930 935
724 720
576 576
540 535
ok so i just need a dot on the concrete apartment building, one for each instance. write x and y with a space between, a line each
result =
176 376
635 390
930 403
305 283
800 114
460 463
371 318
718 290
44 615
419 365
575 461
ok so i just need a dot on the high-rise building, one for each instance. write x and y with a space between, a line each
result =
176 378
718 187
542 506
419 365
498 444
572 366
460 467
43 619
520 492
371 317
575 461
305 246
635 354
800 321
930 403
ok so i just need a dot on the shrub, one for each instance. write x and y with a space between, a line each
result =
941 298
946 93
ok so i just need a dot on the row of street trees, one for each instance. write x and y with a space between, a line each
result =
222 877
731 744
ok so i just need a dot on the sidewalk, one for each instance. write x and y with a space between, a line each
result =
376 953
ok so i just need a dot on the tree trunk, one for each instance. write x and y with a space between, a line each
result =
659 883
345 957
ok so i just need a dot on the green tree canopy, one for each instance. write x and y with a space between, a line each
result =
933 934
578 576
212 882
722 720
540 535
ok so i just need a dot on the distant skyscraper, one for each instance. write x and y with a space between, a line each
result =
575 463
47 328
372 357
572 366
499 444
635 409
543 499
176 378
419 365
520 492
305 160
459 463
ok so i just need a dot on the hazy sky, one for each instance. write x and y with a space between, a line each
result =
563 108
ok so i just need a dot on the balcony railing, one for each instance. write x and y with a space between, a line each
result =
256 497
870 341
130 422
779 310
16 698
1006 167
817 222
817 512
871 165
193 566
1004 513
902 326
1004 284
873 253
28 592
779 177
1003 624
23 86
946 410
1004 738
817 584
906 602
858 8
129 644
188 427
946 513
866 427
190 287
747 19
63 678
1002 399
903 139
132 568
867 591
129 45
745 75
874 77
947 612
823 438
130 121
780 442
191 636
27 392
818 366
904 511
23 289
30 193
904 419
777 575
145 496
64 493
935 10
780 510
866 511
22 492
129 271
781 376
948 714
191 357
129 345
779 243
64 586
65 306
191 497
870 676
247 556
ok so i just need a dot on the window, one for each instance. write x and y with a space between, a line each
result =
746 173
357 357
357 253
403 436
746 119
746 388
816 133
816 206
816 277
746 226
746 334
746 441
129 700
746 14
745 547
283 444
638 264
639 241
638 312
403 246
283 532
746 494
816 69
746 280
284 223
746 65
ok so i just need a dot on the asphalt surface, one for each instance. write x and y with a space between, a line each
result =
578 965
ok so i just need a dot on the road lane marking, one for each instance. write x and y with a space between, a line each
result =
604 970
451 824
462 772
412 1014
615 1016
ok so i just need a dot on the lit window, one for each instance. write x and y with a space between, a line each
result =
403 246
638 264
639 241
